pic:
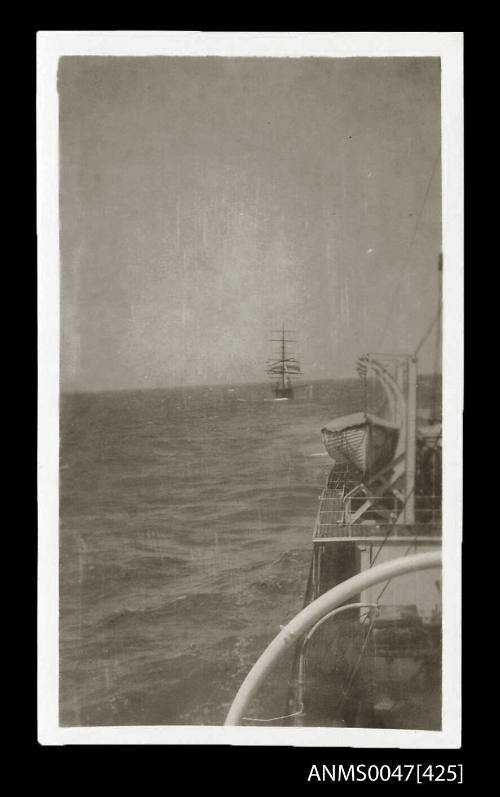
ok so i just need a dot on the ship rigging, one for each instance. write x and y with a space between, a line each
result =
283 367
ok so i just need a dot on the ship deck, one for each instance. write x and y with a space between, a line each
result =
428 533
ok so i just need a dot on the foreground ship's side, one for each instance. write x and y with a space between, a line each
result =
374 658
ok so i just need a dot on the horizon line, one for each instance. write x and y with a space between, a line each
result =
305 383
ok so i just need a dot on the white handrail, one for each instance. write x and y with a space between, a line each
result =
313 612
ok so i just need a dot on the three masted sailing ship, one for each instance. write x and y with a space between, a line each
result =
284 367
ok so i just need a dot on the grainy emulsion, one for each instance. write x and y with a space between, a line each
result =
223 221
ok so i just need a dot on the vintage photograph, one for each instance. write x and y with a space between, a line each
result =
251 271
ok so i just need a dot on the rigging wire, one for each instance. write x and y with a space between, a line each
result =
392 527
436 319
428 332
358 662
410 247
438 344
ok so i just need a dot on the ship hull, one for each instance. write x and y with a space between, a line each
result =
283 393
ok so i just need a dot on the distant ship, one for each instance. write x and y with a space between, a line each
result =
284 367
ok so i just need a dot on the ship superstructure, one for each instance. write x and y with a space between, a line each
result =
367 644
382 500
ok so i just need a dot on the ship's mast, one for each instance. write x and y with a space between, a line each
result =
284 366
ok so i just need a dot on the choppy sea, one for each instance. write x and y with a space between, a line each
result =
186 518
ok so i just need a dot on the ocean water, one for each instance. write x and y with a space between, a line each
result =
186 518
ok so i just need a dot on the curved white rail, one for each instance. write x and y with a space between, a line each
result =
313 612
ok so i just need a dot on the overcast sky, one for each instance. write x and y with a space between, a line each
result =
204 201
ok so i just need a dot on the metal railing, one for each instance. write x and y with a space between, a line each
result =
334 509
363 532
